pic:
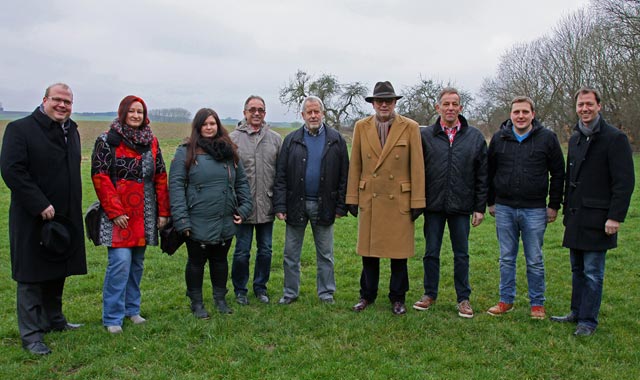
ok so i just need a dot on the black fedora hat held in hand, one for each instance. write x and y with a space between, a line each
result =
57 236
383 90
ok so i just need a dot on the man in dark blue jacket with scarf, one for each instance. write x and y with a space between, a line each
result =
310 186
523 154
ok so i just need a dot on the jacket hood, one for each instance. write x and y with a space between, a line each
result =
507 126
243 126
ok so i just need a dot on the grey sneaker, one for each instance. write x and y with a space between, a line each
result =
242 299
137 319
114 329
262 297
328 301
286 300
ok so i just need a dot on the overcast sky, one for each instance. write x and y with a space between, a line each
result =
198 53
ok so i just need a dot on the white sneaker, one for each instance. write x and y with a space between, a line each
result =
137 319
114 329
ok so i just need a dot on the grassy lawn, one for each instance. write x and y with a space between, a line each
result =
310 340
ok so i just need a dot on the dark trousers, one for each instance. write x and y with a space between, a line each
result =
218 265
459 235
587 269
370 277
39 307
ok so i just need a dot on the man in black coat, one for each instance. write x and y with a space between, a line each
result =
40 163
525 166
455 164
598 187
310 187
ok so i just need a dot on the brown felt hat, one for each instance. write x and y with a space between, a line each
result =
383 90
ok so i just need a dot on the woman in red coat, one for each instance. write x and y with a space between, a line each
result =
132 189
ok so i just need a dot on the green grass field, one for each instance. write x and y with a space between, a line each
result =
310 340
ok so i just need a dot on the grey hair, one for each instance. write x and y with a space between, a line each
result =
312 98
448 90
251 97
63 85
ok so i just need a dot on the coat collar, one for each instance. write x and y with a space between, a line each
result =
438 129
371 133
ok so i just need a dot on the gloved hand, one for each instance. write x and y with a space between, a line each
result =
353 209
415 213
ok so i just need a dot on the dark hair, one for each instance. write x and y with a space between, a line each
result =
585 91
126 103
196 127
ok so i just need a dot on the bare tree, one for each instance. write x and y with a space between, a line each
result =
343 102
419 101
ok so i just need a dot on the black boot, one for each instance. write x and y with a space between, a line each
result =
220 301
197 306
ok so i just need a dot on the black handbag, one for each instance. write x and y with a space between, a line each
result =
170 238
92 222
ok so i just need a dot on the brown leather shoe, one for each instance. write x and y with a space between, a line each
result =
361 305
424 303
398 308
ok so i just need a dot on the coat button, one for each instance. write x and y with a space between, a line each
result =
375 175
391 196
391 176
397 157
368 156
375 195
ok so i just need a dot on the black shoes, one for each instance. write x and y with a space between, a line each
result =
199 311
361 305
221 305
569 318
398 308
583 330
38 348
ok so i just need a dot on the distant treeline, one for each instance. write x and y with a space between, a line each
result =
109 116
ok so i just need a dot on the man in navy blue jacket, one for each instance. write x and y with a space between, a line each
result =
455 164
523 154
310 187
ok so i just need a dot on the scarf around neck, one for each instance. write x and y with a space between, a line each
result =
216 148
138 136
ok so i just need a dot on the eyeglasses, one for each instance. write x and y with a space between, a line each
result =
60 100
253 110
384 100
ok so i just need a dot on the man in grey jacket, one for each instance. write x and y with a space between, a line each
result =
258 147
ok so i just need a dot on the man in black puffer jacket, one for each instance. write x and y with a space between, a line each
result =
455 161
310 188
522 156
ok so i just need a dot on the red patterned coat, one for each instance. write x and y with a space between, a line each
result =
140 191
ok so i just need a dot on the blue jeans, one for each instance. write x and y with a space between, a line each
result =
323 239
241 255
587 268
459 226
121 290
530 224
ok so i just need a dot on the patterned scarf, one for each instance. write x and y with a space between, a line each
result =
138 136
